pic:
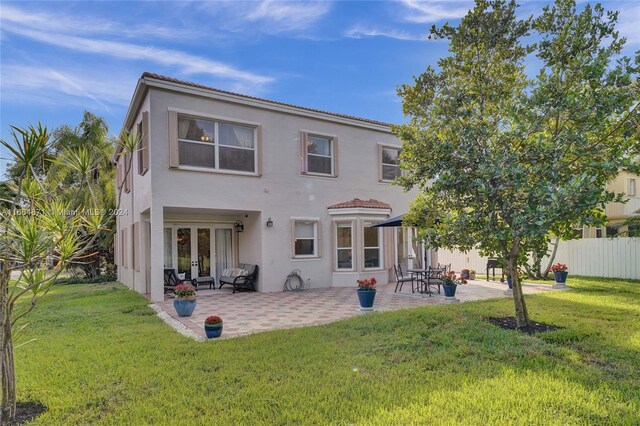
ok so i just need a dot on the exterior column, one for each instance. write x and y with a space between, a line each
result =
157 253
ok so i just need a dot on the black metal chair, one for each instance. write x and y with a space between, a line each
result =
447 268
171 280
401 279
245 282
434 277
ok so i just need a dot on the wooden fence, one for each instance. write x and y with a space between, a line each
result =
597 257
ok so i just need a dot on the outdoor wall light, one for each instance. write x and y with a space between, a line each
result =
269 223
238 226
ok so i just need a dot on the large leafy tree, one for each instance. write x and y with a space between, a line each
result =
504 159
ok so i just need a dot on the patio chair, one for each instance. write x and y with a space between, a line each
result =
434 277
242 278
401 279
447 268
171 280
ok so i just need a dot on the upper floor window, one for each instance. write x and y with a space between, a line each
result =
389 163
319 153
216 145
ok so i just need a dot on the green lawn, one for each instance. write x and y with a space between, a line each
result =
102 356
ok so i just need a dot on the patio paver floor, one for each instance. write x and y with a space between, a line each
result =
247 313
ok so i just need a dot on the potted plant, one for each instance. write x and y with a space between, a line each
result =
213 326
185 301
464 274
450 283
472 274
560 272
366 293
510 281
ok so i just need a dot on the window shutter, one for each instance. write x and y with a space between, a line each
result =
173 139
334 143
303 152
319 252
380 175
144 144
135 229
128 170
259 148
116 249
293 238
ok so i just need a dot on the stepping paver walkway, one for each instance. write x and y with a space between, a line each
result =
247 313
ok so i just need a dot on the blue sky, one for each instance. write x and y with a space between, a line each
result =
58 59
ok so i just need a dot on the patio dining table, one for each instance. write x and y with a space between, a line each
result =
425 276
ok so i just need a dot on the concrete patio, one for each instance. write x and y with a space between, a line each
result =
247 313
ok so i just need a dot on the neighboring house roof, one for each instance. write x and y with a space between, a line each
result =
357 203
201 86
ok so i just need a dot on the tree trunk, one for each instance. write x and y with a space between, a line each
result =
7 367
552 258
522 316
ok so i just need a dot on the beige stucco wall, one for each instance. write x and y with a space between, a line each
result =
281 193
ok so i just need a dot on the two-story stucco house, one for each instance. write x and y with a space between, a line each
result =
222 178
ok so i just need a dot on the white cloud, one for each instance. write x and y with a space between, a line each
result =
187 63
628 23
361 31
36 82
88 25
434 11
267 16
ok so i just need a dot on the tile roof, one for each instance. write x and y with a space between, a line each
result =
357 203
213 89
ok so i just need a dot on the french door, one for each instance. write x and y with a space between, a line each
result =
199 250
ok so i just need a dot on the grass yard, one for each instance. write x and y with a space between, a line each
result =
102 356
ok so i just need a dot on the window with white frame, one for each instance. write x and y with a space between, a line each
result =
344 246
319 154
390 163
631 187
216 145
372 246
305 238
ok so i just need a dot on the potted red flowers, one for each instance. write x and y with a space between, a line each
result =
366 293
560 272
185 301
450 283
213 326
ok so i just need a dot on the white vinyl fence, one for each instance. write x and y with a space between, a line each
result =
597 257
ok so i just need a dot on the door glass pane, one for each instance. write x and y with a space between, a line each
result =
224 253
204 252
168 248
184 252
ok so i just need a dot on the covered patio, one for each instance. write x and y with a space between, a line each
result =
248 313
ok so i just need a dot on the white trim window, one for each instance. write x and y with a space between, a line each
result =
305 242
217 145
319 154
632 187
389 163
344 246
372 247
